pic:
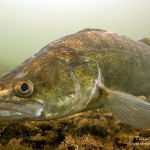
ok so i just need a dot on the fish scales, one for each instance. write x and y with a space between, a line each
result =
111 51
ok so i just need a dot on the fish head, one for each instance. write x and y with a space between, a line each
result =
44 88
36 90
16 97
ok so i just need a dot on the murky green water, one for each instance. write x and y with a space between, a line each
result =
28 25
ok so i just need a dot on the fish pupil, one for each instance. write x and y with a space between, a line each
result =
24 87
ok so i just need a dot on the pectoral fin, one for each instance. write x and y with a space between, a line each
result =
129 109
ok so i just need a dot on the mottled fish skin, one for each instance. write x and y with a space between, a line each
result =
83 71
125 64
122 60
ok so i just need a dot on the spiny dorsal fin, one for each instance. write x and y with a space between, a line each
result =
146 41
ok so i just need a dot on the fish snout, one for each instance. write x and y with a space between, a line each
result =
4 92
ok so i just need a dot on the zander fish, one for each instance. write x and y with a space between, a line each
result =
83 71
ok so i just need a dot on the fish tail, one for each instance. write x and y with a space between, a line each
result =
129 109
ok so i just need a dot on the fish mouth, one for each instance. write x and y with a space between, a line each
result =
25 110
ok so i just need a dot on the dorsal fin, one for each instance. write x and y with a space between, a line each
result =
146 41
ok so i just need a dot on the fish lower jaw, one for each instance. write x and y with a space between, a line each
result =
13 111
10 115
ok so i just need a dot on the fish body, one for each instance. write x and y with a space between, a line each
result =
86 70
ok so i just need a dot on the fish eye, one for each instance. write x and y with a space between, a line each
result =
23 88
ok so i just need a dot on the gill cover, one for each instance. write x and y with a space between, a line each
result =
77 81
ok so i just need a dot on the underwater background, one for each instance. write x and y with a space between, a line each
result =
28 25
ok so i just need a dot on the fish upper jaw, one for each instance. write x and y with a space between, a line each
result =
20 110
